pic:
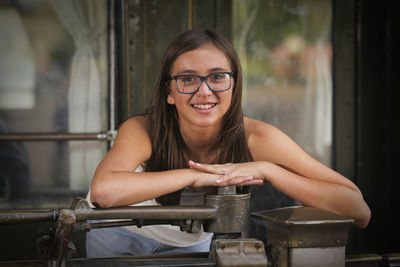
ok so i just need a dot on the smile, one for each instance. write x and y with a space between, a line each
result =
206 106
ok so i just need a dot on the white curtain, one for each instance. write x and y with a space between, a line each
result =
17 63
318 101
86 22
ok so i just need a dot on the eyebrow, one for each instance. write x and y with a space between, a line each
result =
189 71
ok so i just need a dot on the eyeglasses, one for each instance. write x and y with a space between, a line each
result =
190 84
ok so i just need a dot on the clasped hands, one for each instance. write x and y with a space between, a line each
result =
239 174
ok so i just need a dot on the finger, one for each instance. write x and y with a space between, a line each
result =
192 164
211 168
243 182
252 182
233 181
232 175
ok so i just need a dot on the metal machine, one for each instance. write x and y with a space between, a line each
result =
293 236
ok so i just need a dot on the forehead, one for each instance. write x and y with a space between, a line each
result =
206 58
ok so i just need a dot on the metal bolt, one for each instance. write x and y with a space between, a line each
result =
86 227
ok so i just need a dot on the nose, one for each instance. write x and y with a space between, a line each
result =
204 90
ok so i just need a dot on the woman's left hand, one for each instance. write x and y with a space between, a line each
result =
232 172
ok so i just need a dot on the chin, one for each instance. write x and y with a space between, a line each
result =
207 123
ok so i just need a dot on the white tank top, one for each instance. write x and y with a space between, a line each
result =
166 234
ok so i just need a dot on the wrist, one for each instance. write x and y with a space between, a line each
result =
192 176
266 170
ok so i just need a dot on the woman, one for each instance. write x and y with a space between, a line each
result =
195 135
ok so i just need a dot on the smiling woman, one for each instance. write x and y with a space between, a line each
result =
198 138
206 60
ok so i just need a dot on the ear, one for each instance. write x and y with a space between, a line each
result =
170 99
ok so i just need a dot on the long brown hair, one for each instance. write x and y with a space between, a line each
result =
168 146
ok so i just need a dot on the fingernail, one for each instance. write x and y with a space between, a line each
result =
218 180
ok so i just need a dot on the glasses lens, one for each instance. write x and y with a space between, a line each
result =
219 81
188 84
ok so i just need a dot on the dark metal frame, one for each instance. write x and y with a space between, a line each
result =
108 136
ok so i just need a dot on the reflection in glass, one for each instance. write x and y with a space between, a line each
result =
53 79
17 70
286 53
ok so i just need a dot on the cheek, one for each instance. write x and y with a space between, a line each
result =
178 100
228 99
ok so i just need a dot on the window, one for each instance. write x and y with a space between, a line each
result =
53 81
286 53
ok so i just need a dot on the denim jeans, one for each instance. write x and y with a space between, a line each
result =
118 241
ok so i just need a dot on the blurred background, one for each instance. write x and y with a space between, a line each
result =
71 72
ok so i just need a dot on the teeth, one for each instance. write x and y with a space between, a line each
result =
208 106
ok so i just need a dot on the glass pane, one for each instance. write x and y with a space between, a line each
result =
53 78
286 53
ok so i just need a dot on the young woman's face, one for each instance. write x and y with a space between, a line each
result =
204 108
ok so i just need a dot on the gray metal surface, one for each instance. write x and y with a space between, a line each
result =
302 227
317 257
232 213
238 253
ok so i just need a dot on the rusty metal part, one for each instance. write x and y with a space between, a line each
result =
232 213
304 235
186 259
238 252
148 213
62 246
191 226
138 212
28 216
303 227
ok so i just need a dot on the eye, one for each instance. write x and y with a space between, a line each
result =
188 79
215 77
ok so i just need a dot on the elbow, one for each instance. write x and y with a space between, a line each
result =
363 220
101 196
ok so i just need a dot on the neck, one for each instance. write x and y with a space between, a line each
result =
200 141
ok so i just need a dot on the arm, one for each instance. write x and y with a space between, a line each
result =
279 160
115 182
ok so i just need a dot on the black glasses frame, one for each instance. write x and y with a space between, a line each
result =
202 78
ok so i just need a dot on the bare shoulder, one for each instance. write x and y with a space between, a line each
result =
134 127
267 142
256 129
133 139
